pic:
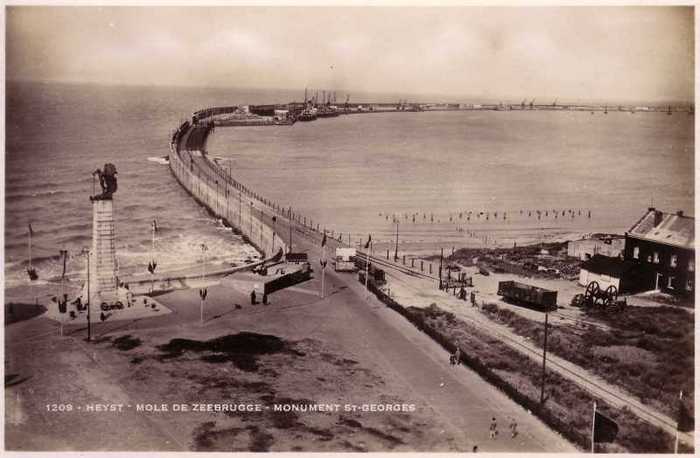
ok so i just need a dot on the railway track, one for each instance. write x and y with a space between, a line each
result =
568 370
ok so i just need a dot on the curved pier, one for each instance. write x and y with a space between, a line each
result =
214 188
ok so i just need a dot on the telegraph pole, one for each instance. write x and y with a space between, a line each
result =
544 356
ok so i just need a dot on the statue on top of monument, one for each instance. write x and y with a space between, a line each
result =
108 182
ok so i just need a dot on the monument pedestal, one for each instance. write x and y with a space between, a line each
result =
102 287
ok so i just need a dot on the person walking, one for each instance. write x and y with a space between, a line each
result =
493 429
513 428
457 356
252 297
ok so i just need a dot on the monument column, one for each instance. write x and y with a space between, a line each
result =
103 265
102 279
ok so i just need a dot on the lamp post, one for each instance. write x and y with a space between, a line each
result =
261 227
274 221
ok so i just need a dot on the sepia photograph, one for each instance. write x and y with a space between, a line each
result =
349 228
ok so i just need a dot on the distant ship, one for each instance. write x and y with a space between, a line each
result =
309 114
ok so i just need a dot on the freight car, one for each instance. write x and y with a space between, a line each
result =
375 275
529 295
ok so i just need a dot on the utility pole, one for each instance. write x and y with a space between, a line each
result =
544 356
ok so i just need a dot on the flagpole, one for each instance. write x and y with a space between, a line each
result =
367 266
323 271
593 431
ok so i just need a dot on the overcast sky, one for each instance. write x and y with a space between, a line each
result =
632 53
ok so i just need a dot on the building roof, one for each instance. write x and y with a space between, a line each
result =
667 228
605 265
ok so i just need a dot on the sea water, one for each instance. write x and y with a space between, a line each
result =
355 175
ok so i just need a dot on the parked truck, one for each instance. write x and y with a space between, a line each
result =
344 260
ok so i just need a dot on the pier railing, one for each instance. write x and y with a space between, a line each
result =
220 193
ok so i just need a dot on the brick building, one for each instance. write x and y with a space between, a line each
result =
663 246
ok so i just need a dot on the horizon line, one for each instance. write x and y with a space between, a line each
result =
503 99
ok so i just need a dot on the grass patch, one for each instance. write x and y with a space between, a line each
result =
126 343
567 407
240 349
649 350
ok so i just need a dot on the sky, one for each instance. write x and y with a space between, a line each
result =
569 53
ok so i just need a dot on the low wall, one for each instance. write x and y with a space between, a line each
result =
226 199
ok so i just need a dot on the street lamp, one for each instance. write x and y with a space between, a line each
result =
251 220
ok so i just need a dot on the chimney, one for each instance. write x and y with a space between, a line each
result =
679 213
658 216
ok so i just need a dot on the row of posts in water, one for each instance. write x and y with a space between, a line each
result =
486 215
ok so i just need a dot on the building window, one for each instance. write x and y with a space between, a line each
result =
689 285
674 260
656 257
671 283
635 252
691 265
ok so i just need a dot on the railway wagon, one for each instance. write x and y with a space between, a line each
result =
376 275
527 294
